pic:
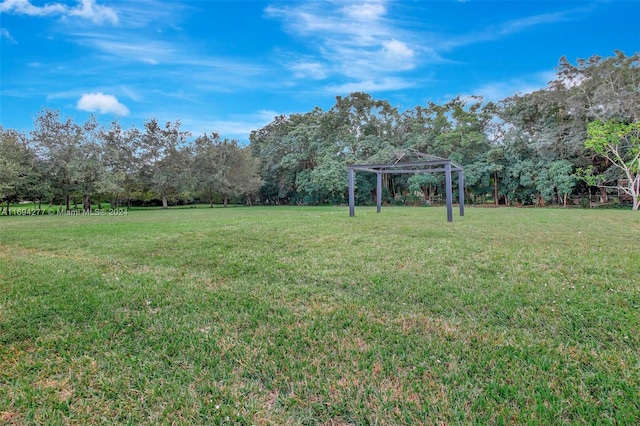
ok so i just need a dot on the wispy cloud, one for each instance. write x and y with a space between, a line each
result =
236 126
311 69
104 104
86 9
498 90
138 49
4 34
355 41
161 14
503 29
361 44
24 7
120 48
380 85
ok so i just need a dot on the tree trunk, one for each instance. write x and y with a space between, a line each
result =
86 204
225 200
165 204
635 193
604 198
565 199
495 188
68 200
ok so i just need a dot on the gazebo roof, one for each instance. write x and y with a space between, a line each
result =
406 161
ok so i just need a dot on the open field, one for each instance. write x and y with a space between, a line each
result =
295 315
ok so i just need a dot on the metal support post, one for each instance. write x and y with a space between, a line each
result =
461 191
352 194
379 192
449 192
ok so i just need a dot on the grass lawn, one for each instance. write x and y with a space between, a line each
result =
295 315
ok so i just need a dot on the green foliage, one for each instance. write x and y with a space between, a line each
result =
426 183
18 167
556 180
327 181
619 143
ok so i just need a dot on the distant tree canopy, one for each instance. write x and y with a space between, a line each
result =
526 149
537 148
64 163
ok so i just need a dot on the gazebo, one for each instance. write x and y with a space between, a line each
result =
424 164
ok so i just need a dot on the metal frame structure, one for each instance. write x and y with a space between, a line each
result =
430 164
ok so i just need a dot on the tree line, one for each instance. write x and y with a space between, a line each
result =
64 163
525 149
577 138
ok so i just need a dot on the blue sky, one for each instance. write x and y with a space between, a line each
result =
232 66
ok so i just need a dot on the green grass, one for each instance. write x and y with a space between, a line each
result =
307 316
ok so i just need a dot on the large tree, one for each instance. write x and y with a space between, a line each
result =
554 120
91 172
208 166
165 156
121 158
271 144
241 171
619 143
18 173
59 144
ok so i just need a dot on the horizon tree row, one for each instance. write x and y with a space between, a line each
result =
525 149
63 161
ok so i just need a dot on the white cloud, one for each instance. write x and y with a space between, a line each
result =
367 11
4 33
90 10
24 7
356 41
314 70
87 9
398 53
104 104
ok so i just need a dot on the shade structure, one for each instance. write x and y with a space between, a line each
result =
425 164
